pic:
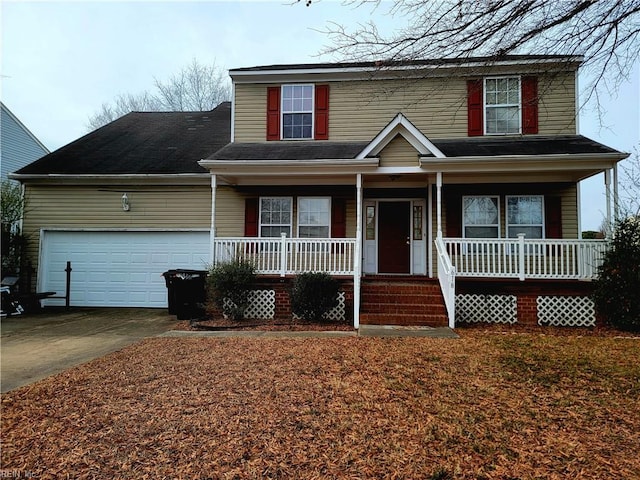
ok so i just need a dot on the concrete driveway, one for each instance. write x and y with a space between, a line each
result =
35 346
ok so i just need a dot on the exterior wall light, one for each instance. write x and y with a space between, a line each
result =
125 203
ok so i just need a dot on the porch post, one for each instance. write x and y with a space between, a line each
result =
212 235
607 188
357 261
430 227
439 202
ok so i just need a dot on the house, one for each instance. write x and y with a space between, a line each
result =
436 191
19 147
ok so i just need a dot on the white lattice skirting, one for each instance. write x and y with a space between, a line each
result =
337 313
474 308
561 311
262 304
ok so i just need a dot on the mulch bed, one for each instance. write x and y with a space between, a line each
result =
485 406
221 323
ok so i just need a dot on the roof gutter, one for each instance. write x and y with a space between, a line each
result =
514 163
122 178
279 167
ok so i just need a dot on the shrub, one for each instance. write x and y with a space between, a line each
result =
313 295
616 289
231 281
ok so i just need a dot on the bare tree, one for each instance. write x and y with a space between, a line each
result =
629 185
121 105
605 32
196 87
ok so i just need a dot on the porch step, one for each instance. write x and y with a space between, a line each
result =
402 301
423 320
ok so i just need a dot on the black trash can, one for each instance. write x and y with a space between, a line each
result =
186 292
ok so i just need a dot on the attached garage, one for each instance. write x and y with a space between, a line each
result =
117 268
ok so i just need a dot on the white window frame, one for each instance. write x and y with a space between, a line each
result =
507 224
261 224
312 112
485 105
300 224
464 223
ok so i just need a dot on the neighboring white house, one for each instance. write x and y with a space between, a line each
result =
18 146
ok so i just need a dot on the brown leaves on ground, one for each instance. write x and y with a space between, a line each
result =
486 406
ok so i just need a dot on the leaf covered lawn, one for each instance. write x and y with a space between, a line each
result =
486 406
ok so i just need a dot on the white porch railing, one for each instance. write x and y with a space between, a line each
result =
522 258
447 279
289 256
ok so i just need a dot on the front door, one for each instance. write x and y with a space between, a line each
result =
394 237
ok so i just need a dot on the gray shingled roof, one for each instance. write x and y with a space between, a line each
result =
405 63
459 147
159 143
289 150
526 145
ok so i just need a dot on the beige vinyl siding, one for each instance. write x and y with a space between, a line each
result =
359 110
229 212
557 104
570 212
399 153
83 207
250 113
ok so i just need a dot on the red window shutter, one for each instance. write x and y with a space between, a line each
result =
321 113
338 218
251 217
453 213
474 108
529 105
552 217
273 113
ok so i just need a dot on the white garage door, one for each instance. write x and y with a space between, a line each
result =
118 269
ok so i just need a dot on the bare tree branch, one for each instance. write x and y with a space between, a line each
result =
196 87
605 32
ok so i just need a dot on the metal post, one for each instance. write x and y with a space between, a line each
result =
67 295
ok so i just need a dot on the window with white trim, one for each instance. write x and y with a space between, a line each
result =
525 214
297 111
314 217
275 216
502 105
481 216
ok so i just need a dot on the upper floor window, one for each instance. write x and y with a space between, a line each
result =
502 105
297 111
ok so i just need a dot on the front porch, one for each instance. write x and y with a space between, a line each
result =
564 265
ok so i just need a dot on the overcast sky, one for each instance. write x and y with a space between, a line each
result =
62 60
